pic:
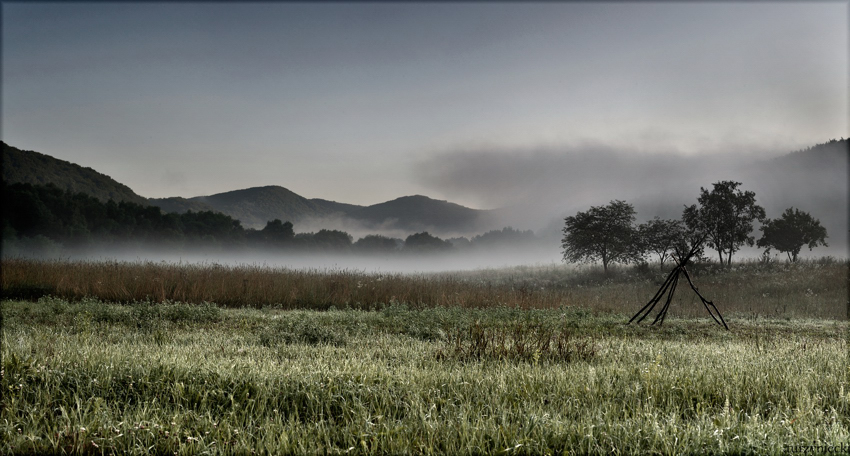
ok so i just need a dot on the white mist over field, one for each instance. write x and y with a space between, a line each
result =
379 264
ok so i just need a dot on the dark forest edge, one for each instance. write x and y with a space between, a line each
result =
44 220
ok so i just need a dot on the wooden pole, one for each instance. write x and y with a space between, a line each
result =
669 287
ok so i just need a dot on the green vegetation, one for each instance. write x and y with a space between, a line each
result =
426 242
43 219
791 232
723 220
89 376
602 233
29 167
252 207
142 358
725 215
79 220
255 206
660 238
412 213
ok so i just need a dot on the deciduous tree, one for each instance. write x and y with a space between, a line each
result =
725 215
602 233
277 232
791 232
661 237
426 242
377 243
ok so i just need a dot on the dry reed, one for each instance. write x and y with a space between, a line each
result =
816 289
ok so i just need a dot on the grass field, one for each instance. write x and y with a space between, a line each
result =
520 361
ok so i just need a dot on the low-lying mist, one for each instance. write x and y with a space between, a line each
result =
531 191
536 189
395 262
544 253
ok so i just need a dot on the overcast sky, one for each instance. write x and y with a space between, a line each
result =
362 103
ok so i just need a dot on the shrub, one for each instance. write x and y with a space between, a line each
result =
300 331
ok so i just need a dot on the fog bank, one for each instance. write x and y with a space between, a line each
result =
536 189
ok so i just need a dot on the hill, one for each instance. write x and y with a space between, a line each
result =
180 205
333 206
417 213
814 180
254 207
30 167
821 157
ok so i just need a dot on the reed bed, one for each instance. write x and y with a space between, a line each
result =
815 289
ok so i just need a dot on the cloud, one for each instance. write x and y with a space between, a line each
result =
547 180
535 188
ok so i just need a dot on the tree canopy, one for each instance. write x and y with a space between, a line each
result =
78 220
602 233
376 243
426 242
790 232
277 232
725 215
661 237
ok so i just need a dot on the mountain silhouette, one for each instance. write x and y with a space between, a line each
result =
420 213
256 206
30 167
813 180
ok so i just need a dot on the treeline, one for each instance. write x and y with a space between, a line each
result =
79 220
44 217
722 220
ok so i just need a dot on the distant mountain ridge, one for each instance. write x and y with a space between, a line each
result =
813 179
258 205
180 205
254 207
333 206
419 212
30 167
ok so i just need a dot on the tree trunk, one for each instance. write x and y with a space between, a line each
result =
731 249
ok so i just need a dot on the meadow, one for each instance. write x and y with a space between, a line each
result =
809 289
125 358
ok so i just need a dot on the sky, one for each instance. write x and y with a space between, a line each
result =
366 102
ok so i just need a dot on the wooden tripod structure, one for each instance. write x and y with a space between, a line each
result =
669 286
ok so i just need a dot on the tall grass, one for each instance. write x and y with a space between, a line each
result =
96 377
816 289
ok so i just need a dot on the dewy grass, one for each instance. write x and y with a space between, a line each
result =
89 377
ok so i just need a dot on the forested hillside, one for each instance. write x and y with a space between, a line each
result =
80 220
420 212
256 206
253 207
180 205
26 166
